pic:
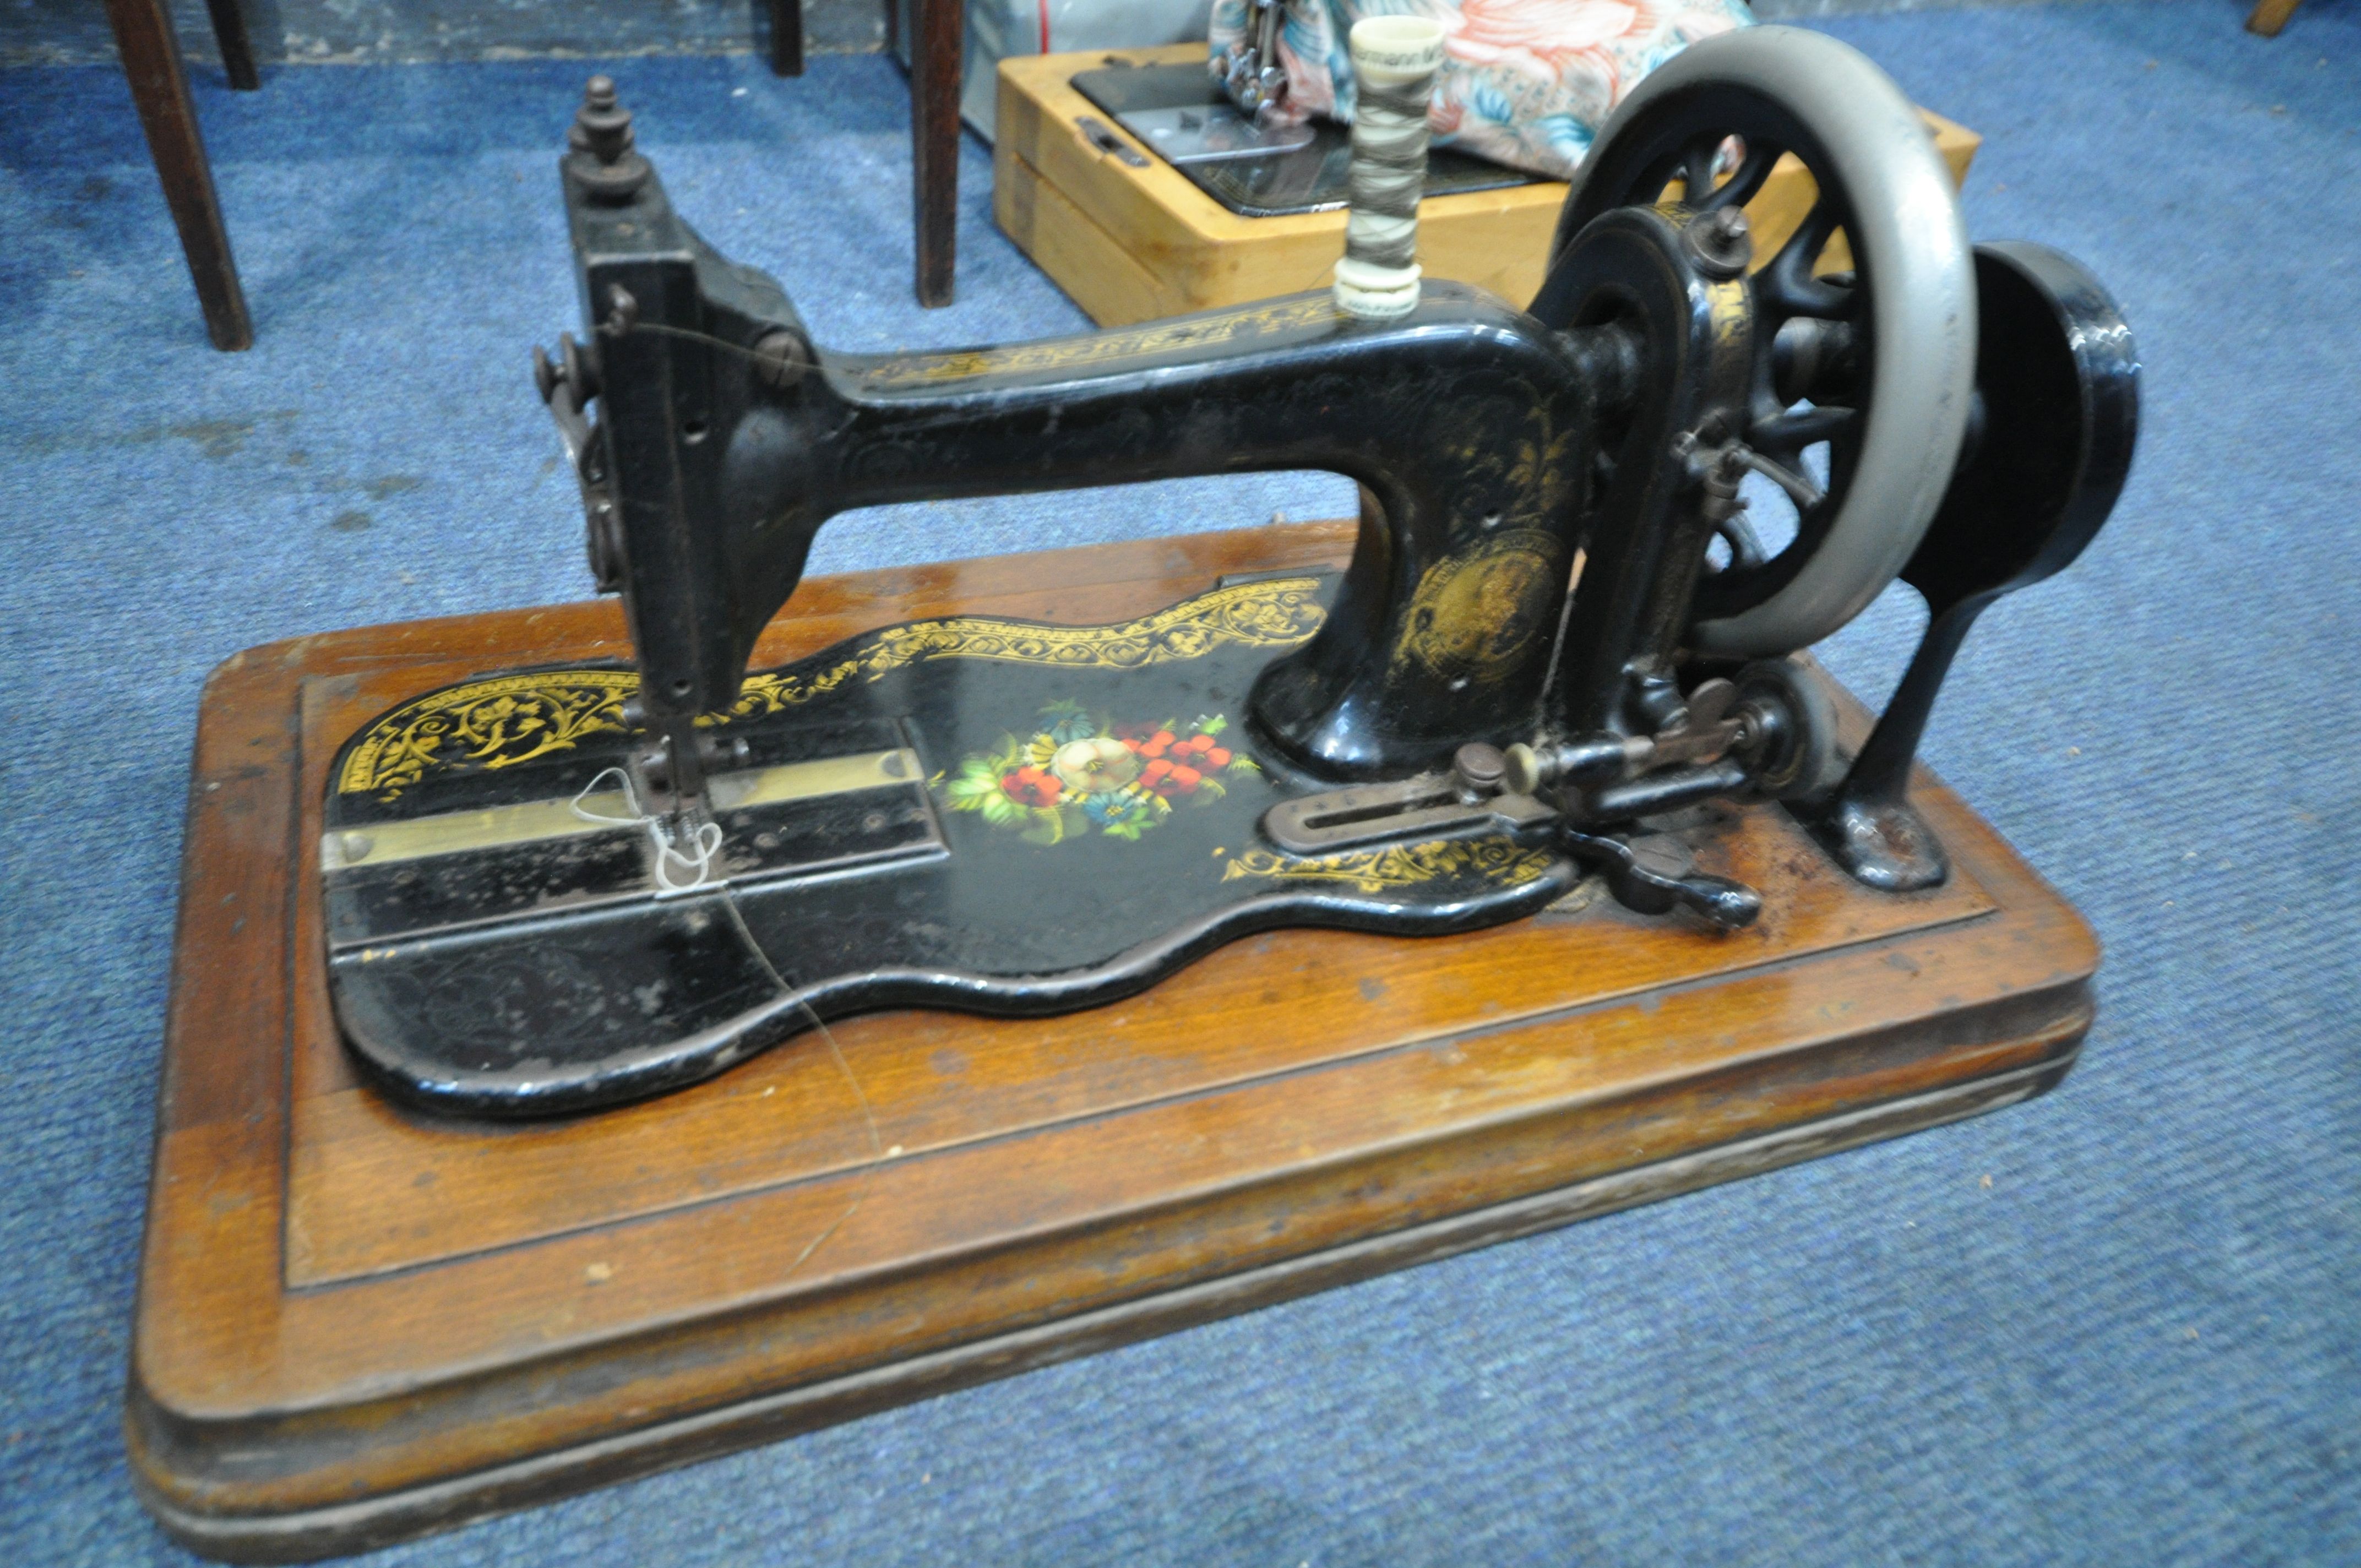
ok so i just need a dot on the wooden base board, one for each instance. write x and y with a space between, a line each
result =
357 1324
1133 243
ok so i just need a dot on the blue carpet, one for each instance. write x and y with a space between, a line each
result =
2115 1326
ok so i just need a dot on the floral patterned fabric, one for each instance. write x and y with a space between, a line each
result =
1524 83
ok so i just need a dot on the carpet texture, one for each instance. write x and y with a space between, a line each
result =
2117 1325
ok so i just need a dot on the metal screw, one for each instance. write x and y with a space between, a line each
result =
1663 854
722 752
656 765
1720 242
623 312
1481 767
781 359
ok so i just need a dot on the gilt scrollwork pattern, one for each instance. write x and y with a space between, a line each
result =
486 724
497 723
1102 347
1496 861
1275 614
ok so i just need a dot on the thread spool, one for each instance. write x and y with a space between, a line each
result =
1394 62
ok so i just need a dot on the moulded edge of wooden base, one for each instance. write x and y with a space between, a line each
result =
385 1519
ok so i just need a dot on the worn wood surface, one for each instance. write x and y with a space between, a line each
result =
159 89
357 1324
1135 244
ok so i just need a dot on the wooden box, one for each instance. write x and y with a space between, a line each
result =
357 1322
1133 244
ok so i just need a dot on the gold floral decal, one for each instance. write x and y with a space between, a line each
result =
1093 348
1403 865
1473 617
509 719
1079 773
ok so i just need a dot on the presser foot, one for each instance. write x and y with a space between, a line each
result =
669 760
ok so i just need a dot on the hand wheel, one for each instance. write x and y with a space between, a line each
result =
1877 363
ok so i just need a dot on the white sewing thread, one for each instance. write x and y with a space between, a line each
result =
703 840
1394 62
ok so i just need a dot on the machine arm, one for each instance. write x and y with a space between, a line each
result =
725 439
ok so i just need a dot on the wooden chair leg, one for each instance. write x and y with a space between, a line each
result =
2270 15
236 45
786 38
159 86
938 32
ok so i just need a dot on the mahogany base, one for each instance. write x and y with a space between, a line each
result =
358 1324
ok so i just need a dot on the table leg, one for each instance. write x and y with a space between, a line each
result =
236 44
159 86
935 48
786 38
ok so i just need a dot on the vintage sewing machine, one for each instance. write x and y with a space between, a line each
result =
573 890
1016 860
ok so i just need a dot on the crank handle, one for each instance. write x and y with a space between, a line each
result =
1802 491
1655 874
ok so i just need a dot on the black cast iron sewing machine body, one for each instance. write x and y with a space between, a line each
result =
551 890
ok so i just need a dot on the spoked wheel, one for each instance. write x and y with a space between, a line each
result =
1873 367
